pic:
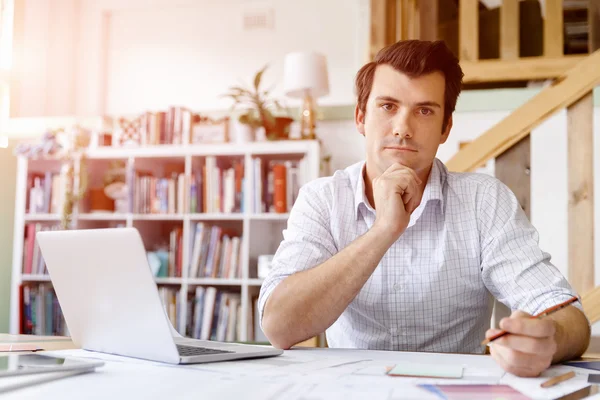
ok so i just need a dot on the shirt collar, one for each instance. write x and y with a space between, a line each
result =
433 189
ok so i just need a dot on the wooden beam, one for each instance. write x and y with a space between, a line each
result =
378 24
428 16
415 21
553 29
401 20
566 90
580 135
509 29
520 69
591 304
594 25
468 30
390 22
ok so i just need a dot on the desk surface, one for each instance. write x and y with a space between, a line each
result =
44 342
316 373
51 343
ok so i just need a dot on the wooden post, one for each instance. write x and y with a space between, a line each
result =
378 20
414 21
509 29
390 22
513 168
553 29
401 20
468 27
428 15
580 136
580 131
594 25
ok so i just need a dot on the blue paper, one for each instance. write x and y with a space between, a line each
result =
595 365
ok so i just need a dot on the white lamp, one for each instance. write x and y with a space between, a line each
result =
305 77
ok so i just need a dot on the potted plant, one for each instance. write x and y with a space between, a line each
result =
259 109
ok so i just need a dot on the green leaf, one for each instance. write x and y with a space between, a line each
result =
258 77
240 90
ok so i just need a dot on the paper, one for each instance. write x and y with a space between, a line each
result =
426 370
315 374
531 386
476 392
12 383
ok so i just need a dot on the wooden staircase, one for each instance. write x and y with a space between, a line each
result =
573 78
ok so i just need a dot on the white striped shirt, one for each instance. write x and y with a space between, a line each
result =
467 240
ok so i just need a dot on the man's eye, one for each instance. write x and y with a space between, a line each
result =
387 106
425 111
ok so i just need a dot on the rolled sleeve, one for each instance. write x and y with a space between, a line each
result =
514 268
307 242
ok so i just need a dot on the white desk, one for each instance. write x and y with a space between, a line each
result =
313 374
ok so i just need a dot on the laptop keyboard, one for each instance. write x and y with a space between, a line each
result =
187 351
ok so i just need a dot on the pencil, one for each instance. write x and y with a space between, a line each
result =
558 379
547 311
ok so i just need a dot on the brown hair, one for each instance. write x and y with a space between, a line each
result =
414 58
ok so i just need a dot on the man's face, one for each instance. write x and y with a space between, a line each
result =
403 120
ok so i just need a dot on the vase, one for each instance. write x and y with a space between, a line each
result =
243 133
281 129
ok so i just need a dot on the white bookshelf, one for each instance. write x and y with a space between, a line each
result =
261 232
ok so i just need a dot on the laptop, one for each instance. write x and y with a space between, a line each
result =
111 303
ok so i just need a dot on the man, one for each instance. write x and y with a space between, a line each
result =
397 253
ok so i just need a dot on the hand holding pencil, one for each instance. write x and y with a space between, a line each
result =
526 344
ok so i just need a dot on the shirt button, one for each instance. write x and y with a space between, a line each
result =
397 287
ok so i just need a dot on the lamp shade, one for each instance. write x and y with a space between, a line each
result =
305 72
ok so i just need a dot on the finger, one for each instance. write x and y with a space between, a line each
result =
519 359
506 359
529 326
413 203
405 179
491 332
520 314
529 345
412 198
399 167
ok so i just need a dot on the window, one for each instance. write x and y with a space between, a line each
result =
6 30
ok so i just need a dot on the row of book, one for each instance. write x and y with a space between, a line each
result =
152 195
172 126
170 299
174 261
213 315
40 311
275 184
33 262
218 187
45 193
215 253
215 187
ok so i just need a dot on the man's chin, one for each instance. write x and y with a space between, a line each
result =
400 160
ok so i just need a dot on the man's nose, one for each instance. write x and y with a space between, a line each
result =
401 125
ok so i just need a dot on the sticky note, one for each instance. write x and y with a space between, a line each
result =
427 370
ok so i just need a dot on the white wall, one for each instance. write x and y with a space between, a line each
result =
97 57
